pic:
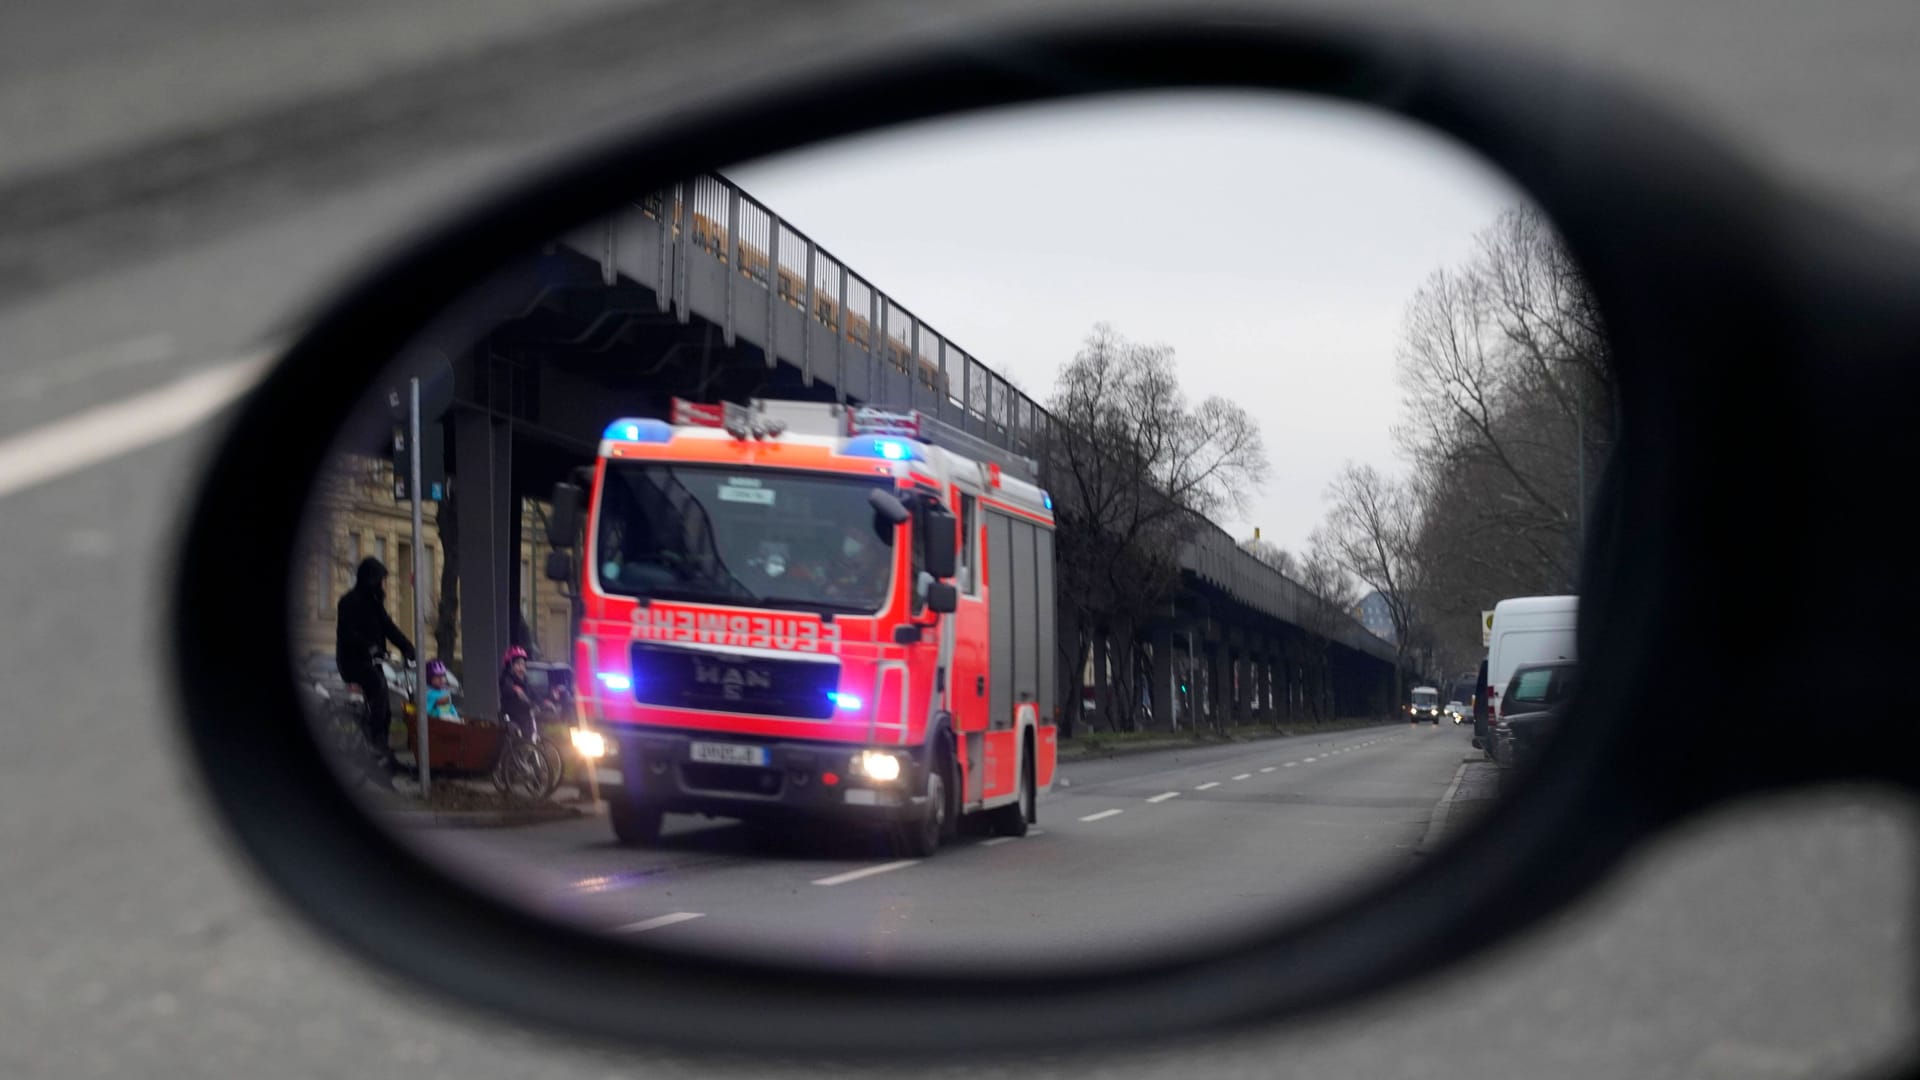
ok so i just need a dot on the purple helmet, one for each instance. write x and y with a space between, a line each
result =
436 669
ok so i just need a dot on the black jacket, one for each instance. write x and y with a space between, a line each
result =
363 628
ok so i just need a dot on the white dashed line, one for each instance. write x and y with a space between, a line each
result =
658 921
998 840
866 871
1164 796
1244 776
1101 814
1289 764
1267 769
1208 784
1311 760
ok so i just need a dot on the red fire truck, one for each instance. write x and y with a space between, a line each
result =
805 610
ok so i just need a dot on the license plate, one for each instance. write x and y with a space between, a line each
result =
726 753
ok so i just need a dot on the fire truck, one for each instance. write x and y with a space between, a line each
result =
799 610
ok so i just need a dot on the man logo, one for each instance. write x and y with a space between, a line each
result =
733 682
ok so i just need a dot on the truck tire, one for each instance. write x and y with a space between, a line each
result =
1013 818
921 838
634 825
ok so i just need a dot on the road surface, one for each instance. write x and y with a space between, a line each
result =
1167 846
1774 940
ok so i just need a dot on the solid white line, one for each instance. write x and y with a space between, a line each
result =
998 840
1101 814
658 921
866 871
1164 796
1269 768
1244 776
108 431
1208 784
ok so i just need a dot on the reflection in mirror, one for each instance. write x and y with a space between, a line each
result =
1008 540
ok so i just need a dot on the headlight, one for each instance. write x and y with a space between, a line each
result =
591 744
877 765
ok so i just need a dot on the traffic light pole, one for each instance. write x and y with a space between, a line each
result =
419 591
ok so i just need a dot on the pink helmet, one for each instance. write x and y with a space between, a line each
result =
513 653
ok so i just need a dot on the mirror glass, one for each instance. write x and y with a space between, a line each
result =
1258 427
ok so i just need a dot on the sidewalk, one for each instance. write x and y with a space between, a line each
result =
469 805
1115 744
1475 787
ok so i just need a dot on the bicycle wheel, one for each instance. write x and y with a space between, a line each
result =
554 764
526 770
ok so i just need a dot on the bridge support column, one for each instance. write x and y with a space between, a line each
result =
483 447
1162 682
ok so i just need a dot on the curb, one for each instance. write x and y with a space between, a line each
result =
1441 812
480 819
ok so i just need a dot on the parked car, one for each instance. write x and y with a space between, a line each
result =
1531 708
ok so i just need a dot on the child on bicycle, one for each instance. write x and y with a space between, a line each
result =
439 697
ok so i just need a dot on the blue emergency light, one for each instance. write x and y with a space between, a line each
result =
613 680
636 429
849 702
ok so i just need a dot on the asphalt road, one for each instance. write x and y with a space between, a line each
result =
1774 939
1167 847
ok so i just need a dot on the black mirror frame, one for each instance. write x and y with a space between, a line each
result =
1694 259
943 530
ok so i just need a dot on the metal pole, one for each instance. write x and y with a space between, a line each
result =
419 582
1580 444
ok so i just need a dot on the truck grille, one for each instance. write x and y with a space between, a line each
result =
733 682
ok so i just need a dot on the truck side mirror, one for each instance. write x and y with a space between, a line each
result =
564 522
560 566
888 506
942 597
942 556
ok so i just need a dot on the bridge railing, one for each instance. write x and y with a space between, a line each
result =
712 214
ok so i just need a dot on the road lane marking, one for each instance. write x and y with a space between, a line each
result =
1310 760
1267 769
867 871
108 431
1289 764
658 921
1208 784
1101 814
998 840
1164 796
1244 776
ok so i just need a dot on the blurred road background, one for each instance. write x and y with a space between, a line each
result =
177 179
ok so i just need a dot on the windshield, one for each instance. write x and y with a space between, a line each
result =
1426 697
753 538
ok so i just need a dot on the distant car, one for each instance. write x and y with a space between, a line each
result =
1458 710
1425 706
1531 709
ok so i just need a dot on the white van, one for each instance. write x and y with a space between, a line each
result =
1527 630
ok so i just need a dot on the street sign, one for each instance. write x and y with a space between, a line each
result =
1486 628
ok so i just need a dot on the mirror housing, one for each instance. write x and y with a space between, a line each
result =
942 597
889 507
564 522
560 566
943 556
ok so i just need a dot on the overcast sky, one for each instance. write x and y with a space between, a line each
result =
1272 242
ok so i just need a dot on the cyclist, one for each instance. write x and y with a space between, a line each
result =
516 701
362 631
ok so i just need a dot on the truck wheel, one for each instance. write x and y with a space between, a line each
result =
634 825
923 837
1013 818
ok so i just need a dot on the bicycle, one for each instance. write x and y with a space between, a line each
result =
528 765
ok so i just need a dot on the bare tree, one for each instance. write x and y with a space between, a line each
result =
1277 558
1133 468
1330 598
1372 531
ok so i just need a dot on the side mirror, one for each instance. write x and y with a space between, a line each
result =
942 556
564 523
888 505
942 597
560 566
